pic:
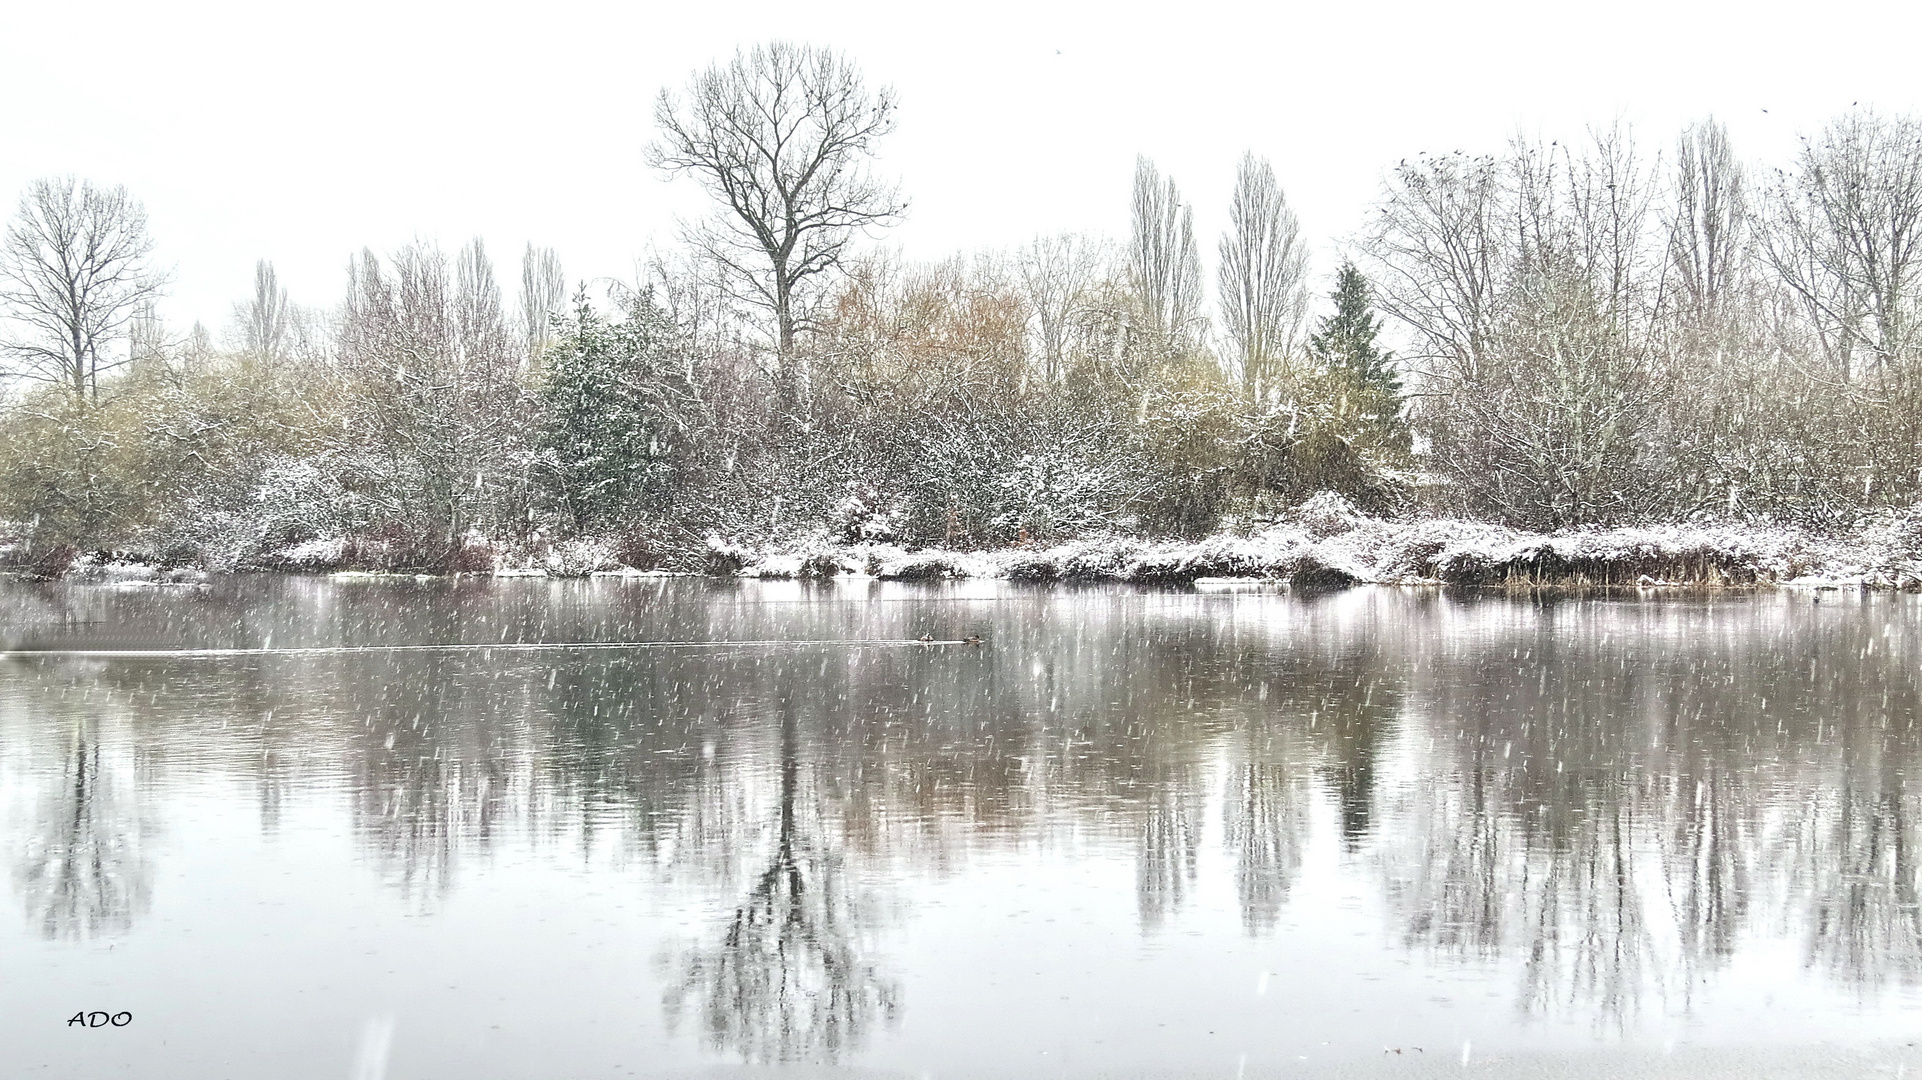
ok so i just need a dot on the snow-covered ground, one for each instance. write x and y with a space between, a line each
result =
1325 543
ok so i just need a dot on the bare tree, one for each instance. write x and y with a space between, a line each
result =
781 137
543 295
266 321
147 336
1708 227
1530 285
481 323
1162 255
1716 318
1435 241
1264 264
1847 240
1054 271
432 423
73 274
1610 193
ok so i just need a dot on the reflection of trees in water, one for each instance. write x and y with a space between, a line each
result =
1787 771
1478 872
416 813
1615 817
1326 723
83 872
1170 843
1613 797
431 778
270 792
1708 853
1860 853
1266 829
1524 834
1583 925
704 826
925 755
787 981
1446 872
1354 716
1857 849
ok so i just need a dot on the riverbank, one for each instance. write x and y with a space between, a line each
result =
1332 554
1325 544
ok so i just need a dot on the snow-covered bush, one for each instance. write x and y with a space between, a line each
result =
722 559
291 502
926 565
1326 514
866 516
578 558
1061 489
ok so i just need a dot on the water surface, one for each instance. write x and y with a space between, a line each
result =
1223 833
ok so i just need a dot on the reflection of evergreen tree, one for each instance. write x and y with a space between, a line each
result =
1356 714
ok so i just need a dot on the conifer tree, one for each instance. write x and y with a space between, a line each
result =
1345 344
616 401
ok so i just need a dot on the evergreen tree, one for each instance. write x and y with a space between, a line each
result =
1345 344
617 406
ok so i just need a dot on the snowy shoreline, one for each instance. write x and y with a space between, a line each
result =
1325 545
1883 554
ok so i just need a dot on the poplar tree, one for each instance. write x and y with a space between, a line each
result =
1263 262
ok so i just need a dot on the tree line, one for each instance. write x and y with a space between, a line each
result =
1584 334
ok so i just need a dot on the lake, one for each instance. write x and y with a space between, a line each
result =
672 826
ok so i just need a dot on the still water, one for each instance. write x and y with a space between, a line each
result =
1227 833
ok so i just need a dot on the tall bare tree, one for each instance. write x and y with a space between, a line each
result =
1264 264
1162 257
1529 284
481 323
781 137
1708 227
543 295
266 320
74 272
147 336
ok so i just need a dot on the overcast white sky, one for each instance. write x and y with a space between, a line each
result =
301 132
